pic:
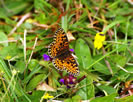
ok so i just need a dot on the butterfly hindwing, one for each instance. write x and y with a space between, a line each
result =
68 63
58 64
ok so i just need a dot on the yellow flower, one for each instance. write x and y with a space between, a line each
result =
47 96
98 40
8 57
30 20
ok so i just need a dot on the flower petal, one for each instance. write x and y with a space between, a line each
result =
72 50
61 81
98 40
46 57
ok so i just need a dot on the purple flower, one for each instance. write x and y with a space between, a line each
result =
72 79
69 81
46 57
61 81
72 50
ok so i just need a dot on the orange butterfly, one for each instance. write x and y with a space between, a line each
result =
62 57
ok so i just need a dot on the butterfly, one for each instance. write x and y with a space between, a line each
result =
63 59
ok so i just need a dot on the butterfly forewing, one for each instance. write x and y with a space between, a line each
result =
59 45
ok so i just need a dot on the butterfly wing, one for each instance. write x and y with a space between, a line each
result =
59 45
68 63
58 64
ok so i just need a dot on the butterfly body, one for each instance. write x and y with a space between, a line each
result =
62 57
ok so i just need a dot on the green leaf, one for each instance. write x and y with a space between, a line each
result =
3 37
100 66
122 75
68 100
33 63
34 82
87 88
11 50
76 98
28 25
14 8
42 5
34 97
107 89
33 72
128 30
109 98
126 76
112 24
118 59
20 66
42 18
83 54
125 99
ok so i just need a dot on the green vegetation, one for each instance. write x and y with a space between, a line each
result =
27 28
